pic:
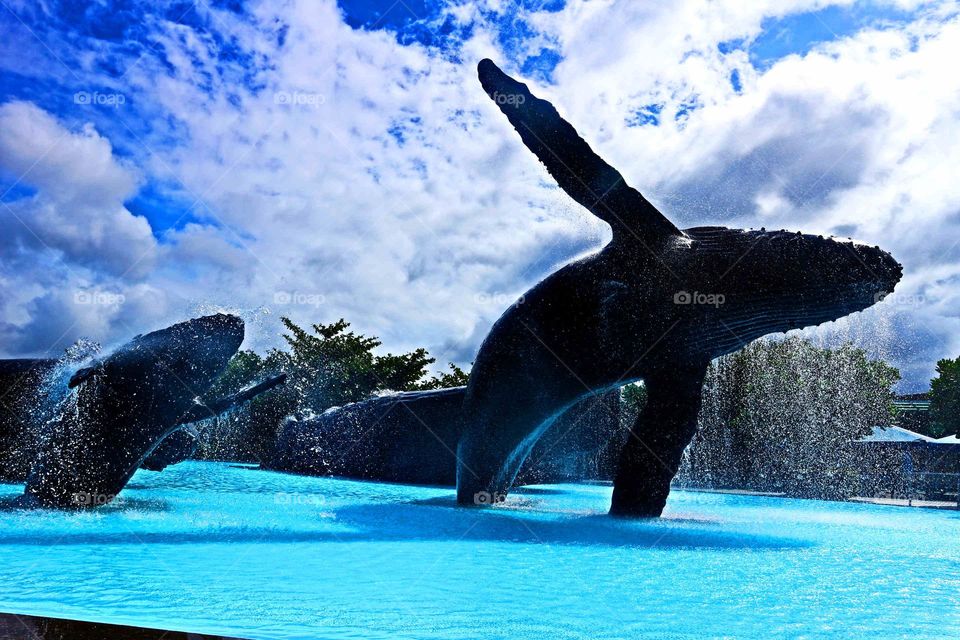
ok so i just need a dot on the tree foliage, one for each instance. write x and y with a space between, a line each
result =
945 399
456 377
333 366
632 398
327 365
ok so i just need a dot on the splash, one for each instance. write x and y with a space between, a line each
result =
44 400
784 416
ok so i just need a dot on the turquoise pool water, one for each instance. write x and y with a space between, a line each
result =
225 549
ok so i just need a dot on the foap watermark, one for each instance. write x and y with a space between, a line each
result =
299 298
487 498
499 299
310 499
105 298
299 98
86 499
99 99
901 299
696 297
511 99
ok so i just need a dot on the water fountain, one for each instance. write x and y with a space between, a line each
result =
183 443
33 392
225 549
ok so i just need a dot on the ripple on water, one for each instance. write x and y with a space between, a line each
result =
230 549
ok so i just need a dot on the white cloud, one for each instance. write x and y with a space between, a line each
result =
69 238
419 234
78 209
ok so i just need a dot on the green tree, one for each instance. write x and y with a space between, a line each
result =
945 399
632 399
333 366
456 377
327 365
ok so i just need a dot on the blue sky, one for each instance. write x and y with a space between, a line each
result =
188 156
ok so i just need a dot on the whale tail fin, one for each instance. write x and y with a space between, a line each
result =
579 171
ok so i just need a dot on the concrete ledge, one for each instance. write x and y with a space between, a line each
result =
19 627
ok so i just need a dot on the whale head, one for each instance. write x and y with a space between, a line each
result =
740 285
179 358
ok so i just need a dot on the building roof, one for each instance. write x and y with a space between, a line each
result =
895 434
912 397
912 405
899 434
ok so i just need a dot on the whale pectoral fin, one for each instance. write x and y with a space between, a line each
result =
584 175
651 456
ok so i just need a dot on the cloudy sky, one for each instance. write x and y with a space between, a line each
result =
322 160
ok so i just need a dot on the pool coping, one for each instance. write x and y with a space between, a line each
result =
15 626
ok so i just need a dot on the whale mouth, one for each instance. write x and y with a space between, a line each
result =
886 272
876 275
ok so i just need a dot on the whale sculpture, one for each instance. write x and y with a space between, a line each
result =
179 446
125 405
22 384
411 437
657 303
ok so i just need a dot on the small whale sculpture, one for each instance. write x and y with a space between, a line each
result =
18 429
657 303
126 404
411 437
